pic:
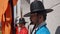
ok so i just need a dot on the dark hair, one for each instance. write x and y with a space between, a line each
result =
44 14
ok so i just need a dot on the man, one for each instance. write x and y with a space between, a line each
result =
21 29
38 16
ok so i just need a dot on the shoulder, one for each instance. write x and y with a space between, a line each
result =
43 30
24 30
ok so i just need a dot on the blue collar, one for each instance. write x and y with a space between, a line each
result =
41 25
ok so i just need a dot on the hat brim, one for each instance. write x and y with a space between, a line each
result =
47 11
21 23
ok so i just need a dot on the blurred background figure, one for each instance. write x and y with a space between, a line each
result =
20 27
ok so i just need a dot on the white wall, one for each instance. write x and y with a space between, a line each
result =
53 18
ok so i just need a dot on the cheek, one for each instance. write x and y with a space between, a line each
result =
33 19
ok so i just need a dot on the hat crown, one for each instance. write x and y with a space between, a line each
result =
21 20
36 5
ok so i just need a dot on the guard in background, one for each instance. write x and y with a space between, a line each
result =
21 29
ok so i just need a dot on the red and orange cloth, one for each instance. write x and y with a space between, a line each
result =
5 8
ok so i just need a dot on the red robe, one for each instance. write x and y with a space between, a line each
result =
23 30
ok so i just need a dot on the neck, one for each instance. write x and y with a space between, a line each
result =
36 25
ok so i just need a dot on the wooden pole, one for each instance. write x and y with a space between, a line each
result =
21 13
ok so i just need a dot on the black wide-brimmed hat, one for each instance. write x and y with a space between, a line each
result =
37 6
22 20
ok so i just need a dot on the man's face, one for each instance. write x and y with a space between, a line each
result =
20 25
36 19
33 18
